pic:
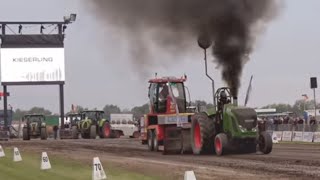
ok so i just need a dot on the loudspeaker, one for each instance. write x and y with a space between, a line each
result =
313 83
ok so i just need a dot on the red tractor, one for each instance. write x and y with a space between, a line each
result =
167 126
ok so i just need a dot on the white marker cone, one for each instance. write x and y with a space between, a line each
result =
2 152
97 170
189 175
16 155
274 138
45 162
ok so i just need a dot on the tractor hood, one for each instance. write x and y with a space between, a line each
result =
246 117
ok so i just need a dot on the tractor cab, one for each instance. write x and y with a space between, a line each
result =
74 118
167 95
33 119
94 115
222 97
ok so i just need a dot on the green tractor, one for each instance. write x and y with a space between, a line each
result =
34 126
228 127
93 123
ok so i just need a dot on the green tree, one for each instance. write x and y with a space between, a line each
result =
201 103
139 111
18 113
110 109
39 110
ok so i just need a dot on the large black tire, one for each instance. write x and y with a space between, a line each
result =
85 135
265 143
220 144
43 133
155 141
135 134
106 131
202 134
25 134
150 140
93 132
74 132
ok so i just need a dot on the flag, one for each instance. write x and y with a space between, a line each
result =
248 92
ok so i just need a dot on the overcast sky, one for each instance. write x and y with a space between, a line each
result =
99 70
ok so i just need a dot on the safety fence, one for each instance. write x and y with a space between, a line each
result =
294 132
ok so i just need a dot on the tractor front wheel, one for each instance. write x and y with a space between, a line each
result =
43 133
25 133
155 141
265 143
75 134
220 144
135 134
150 140
202 133
93 132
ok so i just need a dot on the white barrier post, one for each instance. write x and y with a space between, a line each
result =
2 152
189 175
97 170
45 162
16 155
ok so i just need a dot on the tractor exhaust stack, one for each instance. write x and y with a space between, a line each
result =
235 101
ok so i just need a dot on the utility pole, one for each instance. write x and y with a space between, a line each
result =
314 85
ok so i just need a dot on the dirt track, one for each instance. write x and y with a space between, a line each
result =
287 161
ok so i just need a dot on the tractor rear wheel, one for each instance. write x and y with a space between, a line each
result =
202 134
265 143
25 134
74 132
106 130
43 133
220 144
135 134
93 132
150 140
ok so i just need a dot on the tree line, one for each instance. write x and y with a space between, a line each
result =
138 111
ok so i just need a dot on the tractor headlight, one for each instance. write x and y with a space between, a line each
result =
254 129
242 129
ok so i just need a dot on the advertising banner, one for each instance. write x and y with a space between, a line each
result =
307 136
32 65
297 136
287 136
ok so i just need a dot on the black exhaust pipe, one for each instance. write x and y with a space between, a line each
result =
235 101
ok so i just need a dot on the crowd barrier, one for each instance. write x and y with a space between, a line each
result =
294 132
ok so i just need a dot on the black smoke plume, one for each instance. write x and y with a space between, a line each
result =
232 26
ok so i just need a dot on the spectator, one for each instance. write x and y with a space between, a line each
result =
55 131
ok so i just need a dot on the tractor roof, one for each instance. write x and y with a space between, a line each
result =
168 79
88 111
33 115
73 114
